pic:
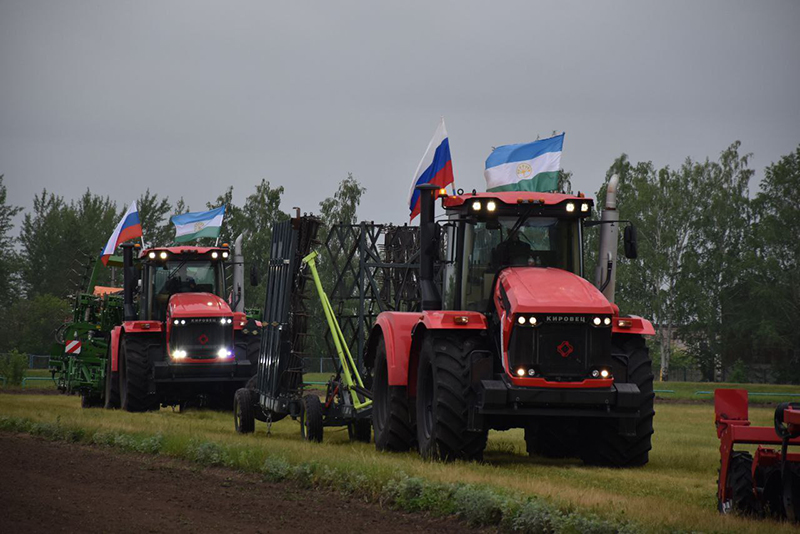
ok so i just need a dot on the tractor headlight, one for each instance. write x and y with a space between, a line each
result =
585 207
491 205
223 353
570 207
604 373
607 321
597 321
521 319
532 320
476 206
176 322
178 354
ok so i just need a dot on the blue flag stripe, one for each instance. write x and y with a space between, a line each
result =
524 152
198 216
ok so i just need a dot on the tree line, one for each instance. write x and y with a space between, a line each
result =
718 270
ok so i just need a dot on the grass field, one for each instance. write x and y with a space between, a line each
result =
703 391
676 490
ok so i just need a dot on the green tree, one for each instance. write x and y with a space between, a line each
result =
9 268
154 216
29 324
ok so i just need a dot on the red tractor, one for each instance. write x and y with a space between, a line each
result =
180 342
516 338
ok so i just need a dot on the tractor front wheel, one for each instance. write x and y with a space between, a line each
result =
133 376
391 417
604 445
443 396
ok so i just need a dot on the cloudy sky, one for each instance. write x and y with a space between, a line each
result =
188 97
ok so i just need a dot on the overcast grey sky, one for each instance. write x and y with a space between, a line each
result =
187 97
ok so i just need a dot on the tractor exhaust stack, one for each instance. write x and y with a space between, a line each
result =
428 247
128 282
238 276
606 273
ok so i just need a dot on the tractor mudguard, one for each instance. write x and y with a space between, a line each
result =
134 327
632 325
396 329
453 320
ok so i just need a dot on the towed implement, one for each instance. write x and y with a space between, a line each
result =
764 484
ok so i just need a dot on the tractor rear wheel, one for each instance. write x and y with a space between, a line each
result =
740 485
604 445
552 439
391 417
111 395
311 419
244 411
443 396
133 376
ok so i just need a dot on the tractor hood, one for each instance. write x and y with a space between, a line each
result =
197 305
549 290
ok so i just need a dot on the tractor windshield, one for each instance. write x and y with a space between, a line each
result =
182 276
538 242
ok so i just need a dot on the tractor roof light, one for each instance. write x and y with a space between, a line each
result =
491 205
476 206
225 254
152 255
570 207
163 255
215 255
584 207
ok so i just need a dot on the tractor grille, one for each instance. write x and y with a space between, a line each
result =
201 337
560 350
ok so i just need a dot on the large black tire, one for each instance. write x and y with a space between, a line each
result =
244 411
111 395
360 430
740 483
444 393
311 419
391 418
133 376
604 445
553 439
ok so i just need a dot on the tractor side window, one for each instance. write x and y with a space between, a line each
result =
479 246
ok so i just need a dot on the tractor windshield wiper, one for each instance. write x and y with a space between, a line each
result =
521 221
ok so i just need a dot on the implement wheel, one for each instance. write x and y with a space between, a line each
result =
133 376
244 411
311 419
443 396
111 395
740 484
391 417
360 430
604 445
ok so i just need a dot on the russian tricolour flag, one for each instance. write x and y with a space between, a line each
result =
525 167
128 228
435 168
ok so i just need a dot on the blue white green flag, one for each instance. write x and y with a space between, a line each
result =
525 167
194 225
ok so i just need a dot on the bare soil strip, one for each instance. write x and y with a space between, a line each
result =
47 487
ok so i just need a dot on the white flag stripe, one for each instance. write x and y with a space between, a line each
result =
507 173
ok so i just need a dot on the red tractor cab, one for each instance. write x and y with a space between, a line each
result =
517 338
180 342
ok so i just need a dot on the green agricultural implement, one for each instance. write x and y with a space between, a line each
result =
78 357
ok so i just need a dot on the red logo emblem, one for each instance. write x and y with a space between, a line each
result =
565 349
203 339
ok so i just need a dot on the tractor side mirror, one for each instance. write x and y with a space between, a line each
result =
630 242
254 278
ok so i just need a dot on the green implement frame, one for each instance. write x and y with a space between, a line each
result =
352 378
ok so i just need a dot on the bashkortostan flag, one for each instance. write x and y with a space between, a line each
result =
189 226
525 167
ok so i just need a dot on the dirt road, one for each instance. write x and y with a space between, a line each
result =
60 487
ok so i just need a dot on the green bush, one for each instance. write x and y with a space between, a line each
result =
13 366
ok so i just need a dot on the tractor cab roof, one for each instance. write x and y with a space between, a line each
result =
185 251
512 202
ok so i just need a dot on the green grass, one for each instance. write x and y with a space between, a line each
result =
688 390
676 490
35 384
